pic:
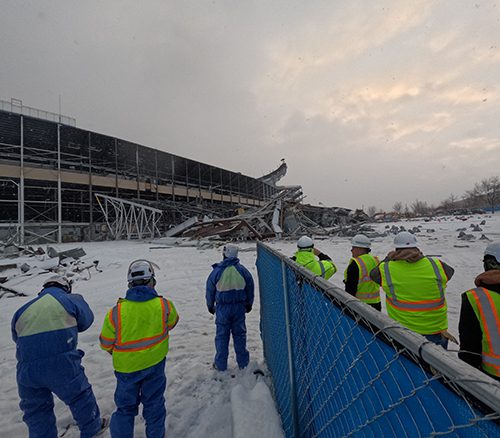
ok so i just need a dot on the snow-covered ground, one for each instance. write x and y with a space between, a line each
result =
200 401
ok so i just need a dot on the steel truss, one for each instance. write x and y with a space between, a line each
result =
126 219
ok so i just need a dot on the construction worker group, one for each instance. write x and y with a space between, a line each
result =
415 291
135 333
136 330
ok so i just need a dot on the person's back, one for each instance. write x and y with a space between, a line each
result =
479 326
46 334
415 288
136 333
357 278
312 259
229 295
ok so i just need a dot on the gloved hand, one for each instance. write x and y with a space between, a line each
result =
211 310
447 335
248 308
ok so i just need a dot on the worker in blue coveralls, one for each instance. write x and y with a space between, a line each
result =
229 295
45 331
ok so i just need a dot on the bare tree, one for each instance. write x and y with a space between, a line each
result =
449 203
372 210
398 207
472 198
490 189
407 212
420 208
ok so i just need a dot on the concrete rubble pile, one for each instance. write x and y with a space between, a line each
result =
20 265
283 216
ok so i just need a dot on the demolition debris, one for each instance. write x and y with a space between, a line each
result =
19 264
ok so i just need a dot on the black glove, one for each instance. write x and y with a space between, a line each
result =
211 310
248 308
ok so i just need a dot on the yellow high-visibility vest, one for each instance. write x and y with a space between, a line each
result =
486 305
323 268
367 291
415 294
137 333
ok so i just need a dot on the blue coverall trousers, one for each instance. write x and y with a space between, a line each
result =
230 319
147 387
64 376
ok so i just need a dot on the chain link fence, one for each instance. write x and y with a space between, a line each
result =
340 368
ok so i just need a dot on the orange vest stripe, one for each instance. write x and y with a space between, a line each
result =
418 306
119 323
365 278
145 346
491 325
143 343
164 317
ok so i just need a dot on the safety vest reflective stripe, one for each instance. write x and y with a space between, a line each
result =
491 360
322 267
491 324
416 305
114 317
106 342
364 272
144 343
365 278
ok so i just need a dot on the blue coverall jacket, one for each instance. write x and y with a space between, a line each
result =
230 290
46 334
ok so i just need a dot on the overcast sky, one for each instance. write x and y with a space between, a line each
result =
370 102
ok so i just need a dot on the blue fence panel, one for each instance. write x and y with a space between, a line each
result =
340 374
273 331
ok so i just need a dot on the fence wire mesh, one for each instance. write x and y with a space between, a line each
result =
340 368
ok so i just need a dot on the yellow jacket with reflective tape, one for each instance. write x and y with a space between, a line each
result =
486 306
415 294
307 259
368 291
137 332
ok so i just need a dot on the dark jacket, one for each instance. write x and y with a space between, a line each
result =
352 278
469 327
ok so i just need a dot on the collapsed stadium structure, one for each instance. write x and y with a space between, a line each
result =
59 182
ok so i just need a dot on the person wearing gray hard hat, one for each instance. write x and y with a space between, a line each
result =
45 331
415 287
311 258
357 279
479 327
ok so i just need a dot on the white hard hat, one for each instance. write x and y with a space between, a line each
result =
140 270
361 241
404 239
59 281
230 251
305 242
493 249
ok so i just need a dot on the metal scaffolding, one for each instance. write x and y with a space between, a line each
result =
127 219
53 170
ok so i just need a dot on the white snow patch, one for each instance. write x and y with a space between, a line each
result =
201 401
251 410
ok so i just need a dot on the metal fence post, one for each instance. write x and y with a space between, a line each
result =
291 372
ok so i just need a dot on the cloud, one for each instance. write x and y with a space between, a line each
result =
347 92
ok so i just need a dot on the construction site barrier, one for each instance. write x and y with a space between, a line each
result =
340 368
